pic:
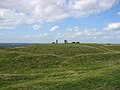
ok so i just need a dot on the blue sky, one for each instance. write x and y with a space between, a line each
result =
91 21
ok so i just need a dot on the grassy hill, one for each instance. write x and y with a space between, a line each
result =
60 67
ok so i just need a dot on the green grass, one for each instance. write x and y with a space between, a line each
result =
61 67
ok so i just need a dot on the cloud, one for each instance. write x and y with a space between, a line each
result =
31 11
118 13
84 35
10 19
54 28
113 26
77 31
89 35
34 38
36 27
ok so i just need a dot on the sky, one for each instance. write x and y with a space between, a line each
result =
44 21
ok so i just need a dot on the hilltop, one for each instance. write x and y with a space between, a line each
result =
60 67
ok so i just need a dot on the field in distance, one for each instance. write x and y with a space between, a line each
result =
60 67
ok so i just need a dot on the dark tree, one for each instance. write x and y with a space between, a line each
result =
73 42
53 42
77 42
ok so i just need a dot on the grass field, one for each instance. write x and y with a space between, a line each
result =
60 67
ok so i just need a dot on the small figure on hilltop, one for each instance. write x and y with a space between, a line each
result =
56 41
65 41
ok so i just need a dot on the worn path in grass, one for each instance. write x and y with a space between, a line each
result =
61 67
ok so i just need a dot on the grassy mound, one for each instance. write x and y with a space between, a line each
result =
63 49
60 67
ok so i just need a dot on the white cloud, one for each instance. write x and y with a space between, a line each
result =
54 28
29 11
34 38
118 13
77 32
113 26
36 27
10 19
90 35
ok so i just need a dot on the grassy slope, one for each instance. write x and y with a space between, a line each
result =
61 67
